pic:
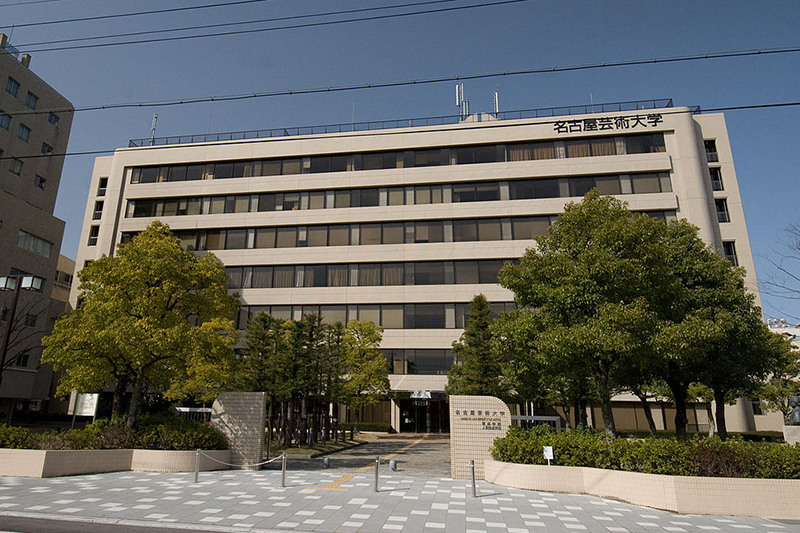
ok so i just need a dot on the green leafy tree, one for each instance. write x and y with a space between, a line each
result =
153 317
784 381
366 380
479 371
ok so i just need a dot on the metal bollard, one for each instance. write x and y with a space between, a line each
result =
351 434
283 470
474 489
196 465
377 464
393 465
326 462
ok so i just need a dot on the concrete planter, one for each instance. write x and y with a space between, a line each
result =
53 463
769 498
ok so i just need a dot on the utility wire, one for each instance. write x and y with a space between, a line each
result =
134 13
228 24
30 2
389 131
424 81
277 28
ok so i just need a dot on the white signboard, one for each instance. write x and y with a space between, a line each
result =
548 453
84 404
421 394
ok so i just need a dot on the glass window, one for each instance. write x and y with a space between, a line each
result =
393 233
291 201
485 154
266 202
429 273
292 166
607 185
392 316
195 172
286 238
369 275
392 273
520 152
370 234
429 231
177 173
242 204
369 197
23 133
487 192
236 239
321 164
716 179
223 171
234 278
337 275
646 183
396 196
467 272
262 277
193 206
282 312
339 235
644 144
52 118
230 204
12 86
316 200
215 240
578 148
463 193
721 205
604 146
369 313
265 238
429 316
315 276
489 270
332 314
340 163
489 230
341 199
427 158
284 277
243 169
373 161
5 121
217 205
580 186
521 190
529 227
422 195
433 362
317 236
729 252
465 230
546 188
170 208
271 167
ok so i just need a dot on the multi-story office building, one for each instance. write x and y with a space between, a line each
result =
403 225
34 128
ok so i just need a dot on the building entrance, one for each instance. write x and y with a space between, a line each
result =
424 416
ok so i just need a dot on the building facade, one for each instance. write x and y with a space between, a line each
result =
403 225
35 122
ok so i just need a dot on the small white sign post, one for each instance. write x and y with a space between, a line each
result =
548 454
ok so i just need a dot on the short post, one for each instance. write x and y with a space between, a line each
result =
393 465
377 464
283 470
474 489
196 465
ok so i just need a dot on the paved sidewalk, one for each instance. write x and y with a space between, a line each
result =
334 502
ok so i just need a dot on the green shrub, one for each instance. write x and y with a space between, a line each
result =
171 433
700 456
14 437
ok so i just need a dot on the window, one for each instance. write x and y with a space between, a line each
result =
716 179
52 118
23 133
47 149
12 86
645 144
711 151
39 181
722 210
31 100
16 166
429 232
32 243
729 252
102 186
94 233
5 120
529 227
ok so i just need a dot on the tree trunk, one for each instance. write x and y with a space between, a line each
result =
719 399
289 423
648 413
136 398
681 421
117 407
608 418
710 415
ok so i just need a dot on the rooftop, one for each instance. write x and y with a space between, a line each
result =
632 105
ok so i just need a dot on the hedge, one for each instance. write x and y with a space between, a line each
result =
151 432
699 456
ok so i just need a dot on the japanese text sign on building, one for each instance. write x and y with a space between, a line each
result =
651 120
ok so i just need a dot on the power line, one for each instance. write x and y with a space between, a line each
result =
30 2
277 28
461 127
227 24
425 81
133 13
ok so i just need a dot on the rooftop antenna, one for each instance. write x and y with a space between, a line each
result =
153 131
496 102
460 99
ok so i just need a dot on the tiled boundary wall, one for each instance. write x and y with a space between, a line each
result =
241 417
475 421
768 498
53 463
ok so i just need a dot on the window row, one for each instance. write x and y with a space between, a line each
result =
493 153
388 316
425 362
428 194
32 243
466 230
365 274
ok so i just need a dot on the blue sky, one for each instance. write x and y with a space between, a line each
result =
525 35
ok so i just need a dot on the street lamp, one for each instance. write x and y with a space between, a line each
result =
15 283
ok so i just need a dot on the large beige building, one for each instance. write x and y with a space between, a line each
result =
404 224
35 122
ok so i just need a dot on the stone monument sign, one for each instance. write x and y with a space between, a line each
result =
475 422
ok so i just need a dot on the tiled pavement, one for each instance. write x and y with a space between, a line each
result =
326 501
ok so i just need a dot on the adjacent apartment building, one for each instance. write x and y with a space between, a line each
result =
35 122
402 223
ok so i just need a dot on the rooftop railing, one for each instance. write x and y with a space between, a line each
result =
348 127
